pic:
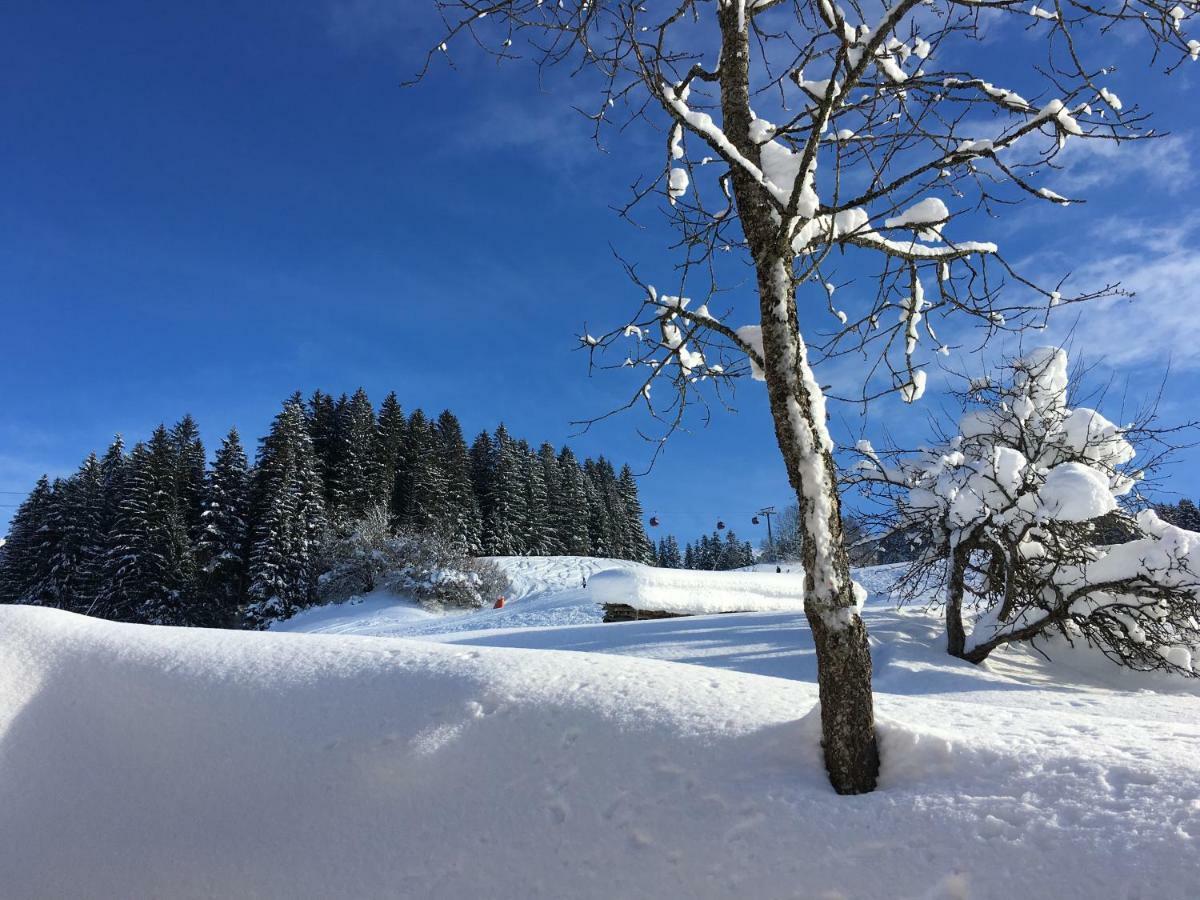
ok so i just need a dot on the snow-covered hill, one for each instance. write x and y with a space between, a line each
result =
140 761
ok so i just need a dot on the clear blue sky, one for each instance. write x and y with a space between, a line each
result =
208 206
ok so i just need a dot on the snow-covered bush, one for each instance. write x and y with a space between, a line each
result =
427 567
1006 511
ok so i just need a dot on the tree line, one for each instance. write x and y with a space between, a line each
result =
710 552
158 535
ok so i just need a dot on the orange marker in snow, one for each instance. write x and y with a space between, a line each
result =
499 604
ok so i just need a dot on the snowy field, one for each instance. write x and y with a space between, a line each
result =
667 758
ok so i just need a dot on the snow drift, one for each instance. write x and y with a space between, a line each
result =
691 592
152 761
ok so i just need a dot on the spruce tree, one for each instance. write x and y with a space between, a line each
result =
148 567
357 475
463 525
637 545
24 560
508 502
551 475
221 549
289 521
323 426
426 505
569 506
389 453
112 476
483 476
77 561
535 525
189 472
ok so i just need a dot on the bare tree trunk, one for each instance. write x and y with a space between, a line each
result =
843 654
798 410
956 636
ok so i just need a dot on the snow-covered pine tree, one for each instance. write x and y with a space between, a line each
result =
569 506
462 525
357 436
221 549
426 489
25 559
77 562
483 478
502 532
638 546
536 526
689 556
112 477
289 520
389 453
190 472
552 537
148 566
603 534
671 559
323 427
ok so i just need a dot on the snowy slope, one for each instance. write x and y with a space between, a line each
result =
140 761
546 590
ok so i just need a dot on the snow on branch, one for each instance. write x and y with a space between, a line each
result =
1009 508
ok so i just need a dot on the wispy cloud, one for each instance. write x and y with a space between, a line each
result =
1161 323
1164 162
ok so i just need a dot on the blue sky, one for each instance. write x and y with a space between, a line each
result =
208 206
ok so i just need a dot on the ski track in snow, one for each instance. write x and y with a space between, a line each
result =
656 759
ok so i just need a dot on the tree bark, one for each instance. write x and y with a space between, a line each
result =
798 410
956 636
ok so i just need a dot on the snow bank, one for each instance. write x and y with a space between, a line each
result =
138 761
693 592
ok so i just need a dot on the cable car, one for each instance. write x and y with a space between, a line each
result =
720 525
754 521
654 521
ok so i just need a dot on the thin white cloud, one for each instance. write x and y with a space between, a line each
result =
1161 323
1165 161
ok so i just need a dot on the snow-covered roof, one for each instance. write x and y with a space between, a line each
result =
689 592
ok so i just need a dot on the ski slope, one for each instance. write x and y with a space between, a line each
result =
533 752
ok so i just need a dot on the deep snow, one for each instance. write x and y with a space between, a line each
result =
142 761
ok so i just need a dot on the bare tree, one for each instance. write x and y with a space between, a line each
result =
1006 510
828 131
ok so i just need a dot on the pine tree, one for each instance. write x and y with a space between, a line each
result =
289 517
323 425
503 533
357 476
535 525
551 475
426 509
463 524
668 553
148 567
606 535
569 506
638 546
221 549
112 476
389 454
77 561
483 477
189 472
24 562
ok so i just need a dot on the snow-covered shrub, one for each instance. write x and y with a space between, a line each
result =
427 567
1006 511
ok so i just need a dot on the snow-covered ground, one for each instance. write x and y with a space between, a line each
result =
665 758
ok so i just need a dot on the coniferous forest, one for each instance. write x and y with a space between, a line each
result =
156 534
